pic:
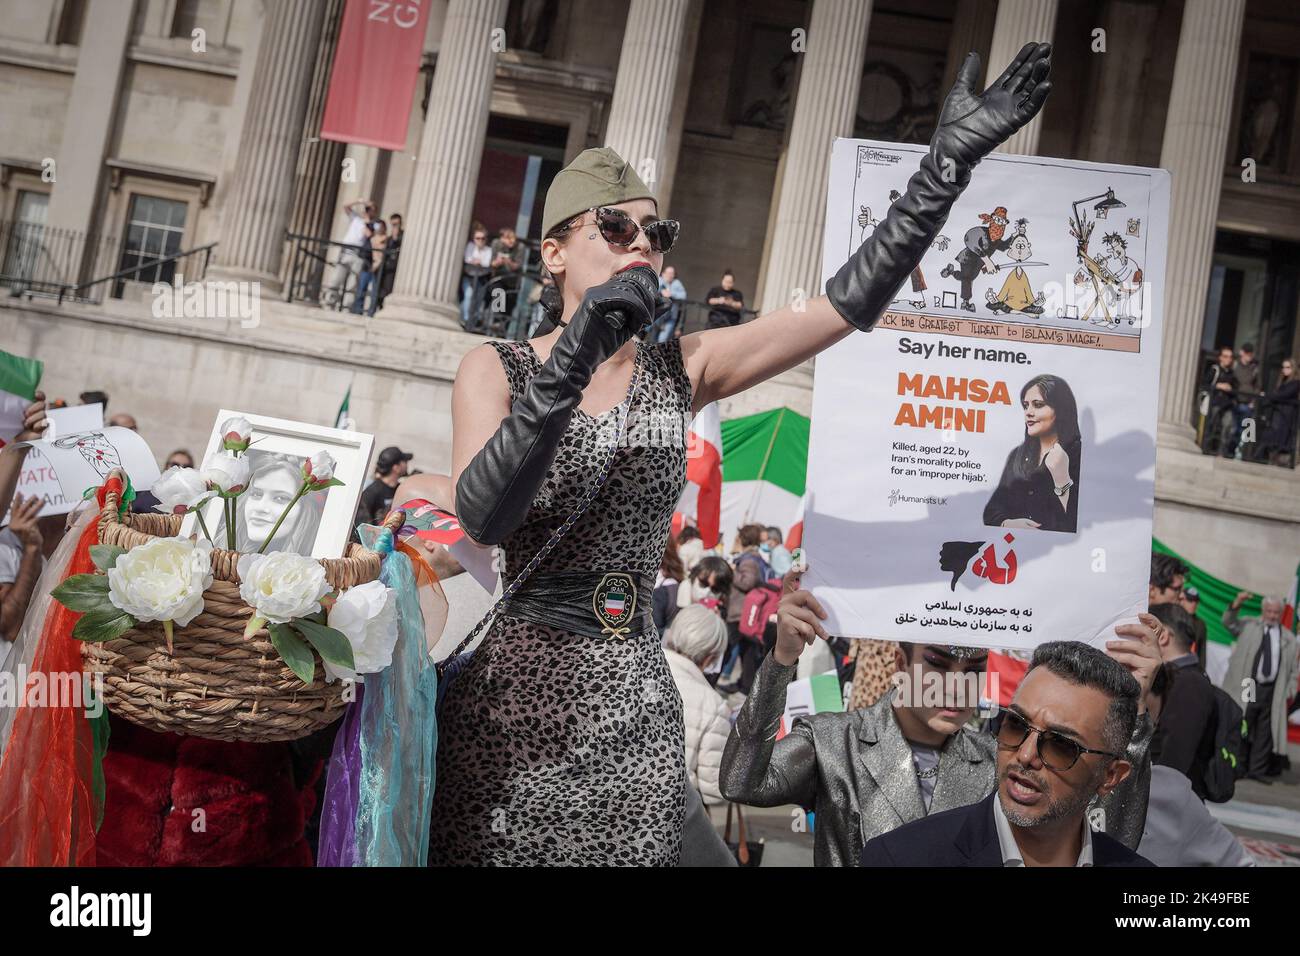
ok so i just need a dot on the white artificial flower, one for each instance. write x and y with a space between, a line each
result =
319 468
224 472
367 616
236 433
280 586
162 580
179 489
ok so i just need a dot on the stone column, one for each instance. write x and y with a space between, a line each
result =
641 111
825 103
88 127
451 146
1196 139
320 161
259 204
1019 22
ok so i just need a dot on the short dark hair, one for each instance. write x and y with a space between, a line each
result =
394 215
728 272
751 535
689 532
1248 347
775 532
90 398
1164 679
1178 621
714 564
1164 568
1088 666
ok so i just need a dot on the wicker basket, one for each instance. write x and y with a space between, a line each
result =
216 683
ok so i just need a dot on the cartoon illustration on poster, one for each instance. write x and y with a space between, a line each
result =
981 468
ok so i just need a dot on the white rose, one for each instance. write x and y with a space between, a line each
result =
280 586
179 489
367 616
225 472
237 429
319 468
162 580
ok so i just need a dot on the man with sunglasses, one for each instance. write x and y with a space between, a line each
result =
1060 745
865 772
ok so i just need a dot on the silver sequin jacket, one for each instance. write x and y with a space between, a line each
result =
855 771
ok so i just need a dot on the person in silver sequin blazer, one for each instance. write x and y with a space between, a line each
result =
857 771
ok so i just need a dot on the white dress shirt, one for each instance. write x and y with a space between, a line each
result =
1011 855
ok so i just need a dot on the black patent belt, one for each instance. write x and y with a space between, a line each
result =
613 605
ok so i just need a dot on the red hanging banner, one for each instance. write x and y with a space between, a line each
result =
375 69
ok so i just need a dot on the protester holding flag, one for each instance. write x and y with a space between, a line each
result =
564 675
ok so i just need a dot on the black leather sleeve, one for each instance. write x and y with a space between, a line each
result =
870 279
971 125
496 489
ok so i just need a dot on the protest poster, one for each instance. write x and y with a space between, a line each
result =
37 476
982 464
62 468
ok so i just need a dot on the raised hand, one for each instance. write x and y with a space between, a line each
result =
972 125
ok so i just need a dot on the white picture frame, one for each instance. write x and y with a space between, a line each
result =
283 438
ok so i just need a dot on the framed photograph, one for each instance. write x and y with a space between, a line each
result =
320 525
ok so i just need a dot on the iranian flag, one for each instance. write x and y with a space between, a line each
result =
819 694
19 378
701 500
764 466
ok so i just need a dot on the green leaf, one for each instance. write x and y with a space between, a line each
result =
295 653
103 625
83 592
332 644
105 555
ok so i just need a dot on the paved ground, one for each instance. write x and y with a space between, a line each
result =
1266 818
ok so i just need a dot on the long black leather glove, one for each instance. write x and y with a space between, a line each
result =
497 488
970 127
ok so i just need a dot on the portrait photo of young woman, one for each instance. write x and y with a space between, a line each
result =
1040 482
275 480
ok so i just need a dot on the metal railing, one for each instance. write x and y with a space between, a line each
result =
38 261
327 273
161 269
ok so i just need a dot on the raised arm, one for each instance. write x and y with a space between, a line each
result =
722 362
757 768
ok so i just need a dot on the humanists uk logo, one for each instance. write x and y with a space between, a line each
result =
74 908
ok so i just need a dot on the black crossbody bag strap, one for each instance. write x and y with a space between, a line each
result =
588 497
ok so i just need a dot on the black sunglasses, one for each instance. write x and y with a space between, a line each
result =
1057 751
619 229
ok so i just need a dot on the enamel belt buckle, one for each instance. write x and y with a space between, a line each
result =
614 603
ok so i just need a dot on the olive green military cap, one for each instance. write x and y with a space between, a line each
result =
598 177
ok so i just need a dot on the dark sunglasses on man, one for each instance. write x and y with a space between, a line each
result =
619 229
1055 750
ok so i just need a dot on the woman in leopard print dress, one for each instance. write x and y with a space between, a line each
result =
561 741
557 748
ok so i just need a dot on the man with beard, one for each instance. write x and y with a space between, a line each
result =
977 255
1061 743
865 772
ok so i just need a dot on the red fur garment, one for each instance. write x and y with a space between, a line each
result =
253 813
